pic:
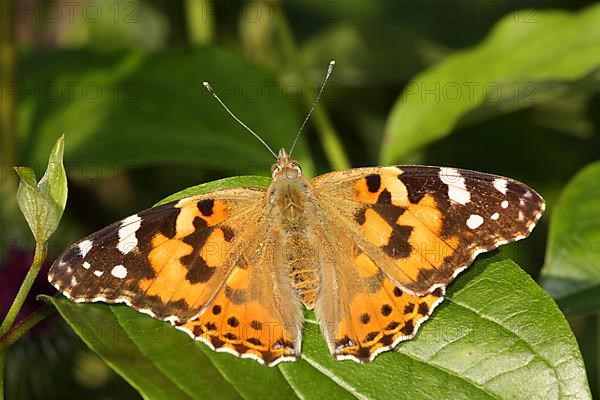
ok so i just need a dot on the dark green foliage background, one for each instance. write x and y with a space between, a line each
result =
139 126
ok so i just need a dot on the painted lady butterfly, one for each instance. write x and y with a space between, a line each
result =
371 250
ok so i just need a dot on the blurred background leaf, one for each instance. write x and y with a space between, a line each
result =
159 105
528 58
571 273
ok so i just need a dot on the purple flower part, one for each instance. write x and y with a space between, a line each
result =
13 269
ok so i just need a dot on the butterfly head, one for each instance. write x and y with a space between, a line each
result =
285 167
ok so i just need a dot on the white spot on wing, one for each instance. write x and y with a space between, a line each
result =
474 221
84 247
504 204
127 239
119 271
500 185
98 273
457 190
86 265
495 216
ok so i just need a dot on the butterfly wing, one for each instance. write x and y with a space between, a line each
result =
423 225
255 314
361 311
394 237
168 261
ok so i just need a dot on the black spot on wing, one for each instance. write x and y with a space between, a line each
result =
198 269
216 342
363 354
388 211
392 325
282 343
423 308
373 182
210 326
386 310
359 216
365 318
198 237
343 342
256 325
268 356
371 336
387 340
228 233
254 341
398 245
408 327
206 207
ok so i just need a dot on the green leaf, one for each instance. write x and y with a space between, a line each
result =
529 57
225 183
43 203
571 273
54 181
135 109
498 335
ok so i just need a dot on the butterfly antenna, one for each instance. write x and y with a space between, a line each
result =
329 71
211 91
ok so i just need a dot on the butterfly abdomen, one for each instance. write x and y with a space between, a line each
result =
290 198
302 267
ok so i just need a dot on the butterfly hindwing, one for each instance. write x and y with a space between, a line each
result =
423 225
255 314
360 310
168 261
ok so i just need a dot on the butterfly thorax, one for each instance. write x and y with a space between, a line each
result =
289 198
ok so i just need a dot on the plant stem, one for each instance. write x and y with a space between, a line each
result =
2 360
329 137
8 72
18 331
41 249
8 81
200 21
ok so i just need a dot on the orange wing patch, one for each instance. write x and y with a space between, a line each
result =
379 321
409 233
184 263
248 326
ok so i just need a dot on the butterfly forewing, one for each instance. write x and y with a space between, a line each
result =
423 225
168 261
